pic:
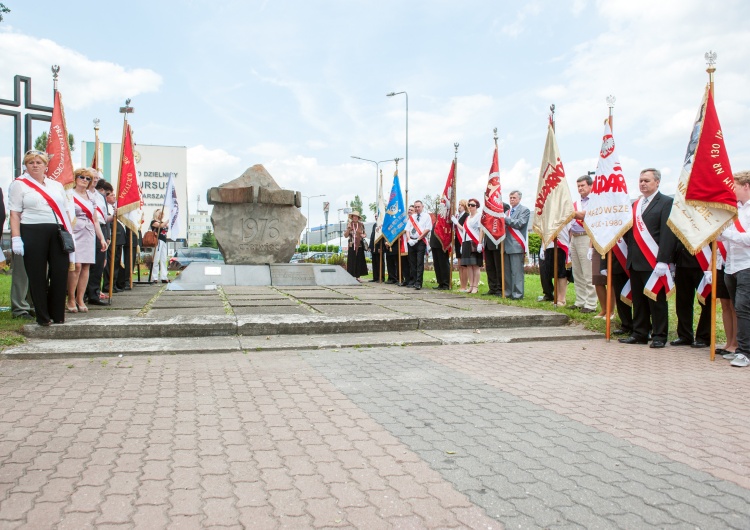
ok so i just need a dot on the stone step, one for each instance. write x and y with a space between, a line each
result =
208 325
125 347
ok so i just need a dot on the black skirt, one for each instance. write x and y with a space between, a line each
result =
356 265
469 258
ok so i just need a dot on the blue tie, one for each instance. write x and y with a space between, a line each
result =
511 211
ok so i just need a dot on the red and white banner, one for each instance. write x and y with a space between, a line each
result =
608 213
704 202
553 207
650 249
60 166
129 204
620 251
443 225
493 217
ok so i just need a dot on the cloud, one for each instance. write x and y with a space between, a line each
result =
515 28
210 167
83 81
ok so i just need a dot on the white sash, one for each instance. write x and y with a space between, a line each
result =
650 249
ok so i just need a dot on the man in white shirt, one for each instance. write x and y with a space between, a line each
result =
736 238
418 226
580 243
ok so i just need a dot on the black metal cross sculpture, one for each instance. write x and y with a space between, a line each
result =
6 106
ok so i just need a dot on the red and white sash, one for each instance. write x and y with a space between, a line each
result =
86 210
53 203
620 251
474 236
516 234
460 235
575 208
650 249
563 242
416 227
704 259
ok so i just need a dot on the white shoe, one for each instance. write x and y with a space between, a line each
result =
740 361
729 356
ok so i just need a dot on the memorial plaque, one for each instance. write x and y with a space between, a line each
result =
292 274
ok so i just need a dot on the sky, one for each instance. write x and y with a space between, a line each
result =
300 86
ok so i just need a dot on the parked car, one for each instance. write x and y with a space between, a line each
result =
185 256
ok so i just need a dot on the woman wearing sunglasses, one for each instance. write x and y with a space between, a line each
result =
471 249
37 205
85 231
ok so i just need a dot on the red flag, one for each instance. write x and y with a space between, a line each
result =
711 182
128 192
60 166
493 217
443 224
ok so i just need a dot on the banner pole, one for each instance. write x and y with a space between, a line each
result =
453 211
711 57
555 283
609 294
114 219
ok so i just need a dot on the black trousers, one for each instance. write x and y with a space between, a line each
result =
416 261
547 271
47 268
120 271
624 311
441 263
493 262
406 271
648 314
93 289
686 281
376 273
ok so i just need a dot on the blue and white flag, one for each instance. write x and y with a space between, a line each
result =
394 223
171 208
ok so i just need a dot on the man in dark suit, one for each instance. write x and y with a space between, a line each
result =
624 311
650 315
687 278
441 263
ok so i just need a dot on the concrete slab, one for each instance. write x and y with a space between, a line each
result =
273 310
332 301
478 336
275 302
187 303
340 340
204 273
321 324
163 313
105 313
57 349
345 310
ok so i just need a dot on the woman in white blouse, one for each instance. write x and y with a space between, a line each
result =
37 205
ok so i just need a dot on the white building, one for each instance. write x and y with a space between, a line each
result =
198 224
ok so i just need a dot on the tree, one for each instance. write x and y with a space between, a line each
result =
431 203
356 204
373 207
209 240
40 144
3 10
535 244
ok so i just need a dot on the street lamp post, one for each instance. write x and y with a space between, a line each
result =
377 167
391 94
308 216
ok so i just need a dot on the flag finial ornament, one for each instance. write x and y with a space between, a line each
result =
55 71
710 57
396 160
455 145
611 101
495 132
96 124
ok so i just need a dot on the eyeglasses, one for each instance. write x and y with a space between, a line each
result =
35 152
87 179
473 206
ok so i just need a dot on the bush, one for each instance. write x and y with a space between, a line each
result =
317 248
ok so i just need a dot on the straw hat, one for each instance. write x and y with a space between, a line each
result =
355 213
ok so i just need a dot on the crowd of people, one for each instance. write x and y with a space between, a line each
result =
643 320
60 241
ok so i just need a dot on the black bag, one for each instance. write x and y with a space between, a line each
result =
67 243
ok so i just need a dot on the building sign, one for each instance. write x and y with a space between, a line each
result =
155 164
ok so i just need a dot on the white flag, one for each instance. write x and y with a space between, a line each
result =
172 209
380 211
608 213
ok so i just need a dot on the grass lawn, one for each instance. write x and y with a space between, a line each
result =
533 289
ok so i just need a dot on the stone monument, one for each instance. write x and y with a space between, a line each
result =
255 221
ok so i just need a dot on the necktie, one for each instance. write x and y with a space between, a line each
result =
645 202
511 211
418 217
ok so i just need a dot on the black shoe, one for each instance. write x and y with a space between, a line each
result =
632 340
116 290
620 331
391 281
444 288
681 342
700 344
24 316
658 344
409 285
96 302
418 287
572 307
586 310
436 288
488 293
544 299
372 281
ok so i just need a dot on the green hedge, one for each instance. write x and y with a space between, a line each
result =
317 248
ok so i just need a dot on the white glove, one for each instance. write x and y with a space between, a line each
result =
603 272
729 235
541 254
708 277
590 254
480 247
661 269
412 242
454 219
17 245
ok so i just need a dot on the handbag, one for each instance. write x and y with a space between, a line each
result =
67 243
149 239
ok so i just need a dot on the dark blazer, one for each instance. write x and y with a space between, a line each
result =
683 258
655 218
373 247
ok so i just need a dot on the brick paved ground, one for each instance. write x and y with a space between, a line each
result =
528 435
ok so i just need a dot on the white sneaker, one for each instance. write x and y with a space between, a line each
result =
740 361
729 356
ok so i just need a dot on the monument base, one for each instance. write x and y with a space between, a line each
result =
201 276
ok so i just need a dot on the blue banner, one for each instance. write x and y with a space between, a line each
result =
394 223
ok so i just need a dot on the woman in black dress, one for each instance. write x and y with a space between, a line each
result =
355 259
